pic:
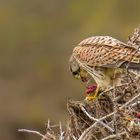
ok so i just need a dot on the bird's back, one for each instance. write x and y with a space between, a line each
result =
105 51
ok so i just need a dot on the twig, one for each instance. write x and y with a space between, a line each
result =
86 131
61 132
48 124
32 131
93 125
134 104
74 137
97 120
113 136
104 92
115 103
126 132
134 37
130 101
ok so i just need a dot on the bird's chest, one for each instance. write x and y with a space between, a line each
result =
109 78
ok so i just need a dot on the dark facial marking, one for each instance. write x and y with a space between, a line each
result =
75 72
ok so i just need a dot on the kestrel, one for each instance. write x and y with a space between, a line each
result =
105 59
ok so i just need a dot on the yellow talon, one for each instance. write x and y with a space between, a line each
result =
93 95
89 98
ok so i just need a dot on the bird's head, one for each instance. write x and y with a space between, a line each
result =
74 67
76 70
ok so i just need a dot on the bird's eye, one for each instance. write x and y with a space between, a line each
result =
75 73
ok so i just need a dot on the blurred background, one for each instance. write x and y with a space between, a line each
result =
36 41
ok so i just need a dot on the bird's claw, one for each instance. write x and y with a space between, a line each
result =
93 95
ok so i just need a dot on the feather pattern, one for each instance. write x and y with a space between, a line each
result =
105 51
105 59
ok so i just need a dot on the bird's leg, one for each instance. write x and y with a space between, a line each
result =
94 94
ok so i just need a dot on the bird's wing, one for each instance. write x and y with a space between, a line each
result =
105 51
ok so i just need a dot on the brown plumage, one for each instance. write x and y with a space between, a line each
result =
105 59
105 51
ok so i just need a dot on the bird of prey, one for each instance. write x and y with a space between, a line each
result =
105 59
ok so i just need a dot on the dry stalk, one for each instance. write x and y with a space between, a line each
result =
97 120
33 132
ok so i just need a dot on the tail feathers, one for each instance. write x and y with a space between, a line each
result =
130 65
